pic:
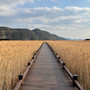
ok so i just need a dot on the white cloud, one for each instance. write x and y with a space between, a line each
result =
86 34
65 18
45 8
13 2
32 1
42 26
6 11
82 21
58 20
41 8
76 9
56 8
73 8
53 0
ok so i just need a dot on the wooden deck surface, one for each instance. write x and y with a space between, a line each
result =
47 74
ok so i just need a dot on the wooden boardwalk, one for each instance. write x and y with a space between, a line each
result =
47 74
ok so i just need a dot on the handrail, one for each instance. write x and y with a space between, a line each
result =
73 77
22 76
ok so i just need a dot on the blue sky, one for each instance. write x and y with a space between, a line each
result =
66 18
58 3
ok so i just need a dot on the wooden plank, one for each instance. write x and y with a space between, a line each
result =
26 71
73 77
47 74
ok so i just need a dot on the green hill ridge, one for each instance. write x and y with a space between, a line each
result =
26 34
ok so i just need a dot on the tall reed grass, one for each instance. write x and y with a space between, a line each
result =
14 56
76 55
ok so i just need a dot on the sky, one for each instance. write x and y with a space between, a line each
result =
66 18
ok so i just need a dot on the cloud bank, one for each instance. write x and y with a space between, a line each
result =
70 19
13 2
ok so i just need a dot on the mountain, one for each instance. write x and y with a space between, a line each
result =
44 35
26 34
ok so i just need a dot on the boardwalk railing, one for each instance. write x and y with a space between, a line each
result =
22 76
74 77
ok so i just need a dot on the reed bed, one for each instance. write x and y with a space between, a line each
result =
14 56
76 55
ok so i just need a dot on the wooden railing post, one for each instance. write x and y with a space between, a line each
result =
63 64
75 77
28 63
58 59
20 76
33 57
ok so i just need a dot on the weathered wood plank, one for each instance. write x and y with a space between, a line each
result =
47 74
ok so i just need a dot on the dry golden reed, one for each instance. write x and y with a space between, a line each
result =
14 56
76 55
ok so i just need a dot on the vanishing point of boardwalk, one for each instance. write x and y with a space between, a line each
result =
47 74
